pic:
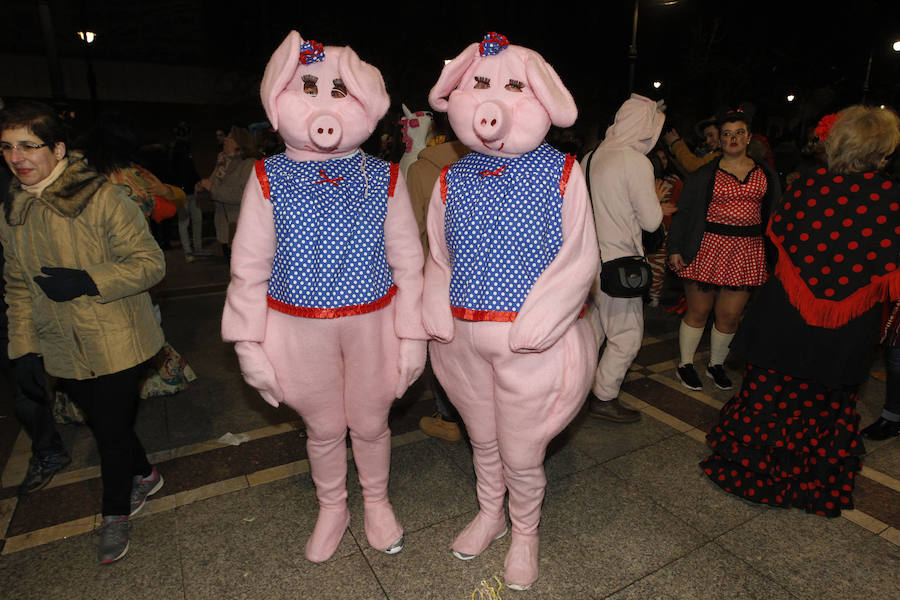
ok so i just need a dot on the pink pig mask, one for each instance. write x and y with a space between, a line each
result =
323 100
501 99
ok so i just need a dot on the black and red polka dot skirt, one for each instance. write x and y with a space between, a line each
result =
787 442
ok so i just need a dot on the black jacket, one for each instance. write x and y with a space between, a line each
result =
689 221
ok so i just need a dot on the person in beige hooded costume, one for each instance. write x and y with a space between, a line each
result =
626 200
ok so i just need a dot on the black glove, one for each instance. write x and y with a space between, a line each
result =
65 284
30 377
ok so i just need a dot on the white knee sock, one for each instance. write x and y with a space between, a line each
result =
688 340
718 346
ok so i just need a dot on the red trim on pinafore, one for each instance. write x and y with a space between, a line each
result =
263 178
332 313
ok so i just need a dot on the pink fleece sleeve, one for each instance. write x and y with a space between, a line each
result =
404 255
559 294
252 252
436 313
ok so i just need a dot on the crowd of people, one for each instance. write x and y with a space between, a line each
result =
797 272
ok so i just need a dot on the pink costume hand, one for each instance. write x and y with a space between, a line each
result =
412 363
258 371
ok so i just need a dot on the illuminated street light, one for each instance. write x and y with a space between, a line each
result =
896 46
791 97
88 38
657 84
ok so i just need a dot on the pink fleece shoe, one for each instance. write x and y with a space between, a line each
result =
520 569
382 529
327 534
478 535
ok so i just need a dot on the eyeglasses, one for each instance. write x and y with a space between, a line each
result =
24 147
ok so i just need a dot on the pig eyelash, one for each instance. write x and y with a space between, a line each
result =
340 90
309 85
514 85
482 83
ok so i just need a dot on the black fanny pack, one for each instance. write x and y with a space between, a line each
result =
626 277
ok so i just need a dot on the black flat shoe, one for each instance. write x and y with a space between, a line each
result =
882 429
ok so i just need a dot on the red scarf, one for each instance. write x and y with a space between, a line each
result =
838 240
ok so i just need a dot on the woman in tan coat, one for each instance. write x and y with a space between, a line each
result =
79 259
226 184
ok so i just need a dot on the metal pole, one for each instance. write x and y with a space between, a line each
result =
56 80
865 89
632 50
91 79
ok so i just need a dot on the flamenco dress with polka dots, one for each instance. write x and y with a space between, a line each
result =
731 251
790 436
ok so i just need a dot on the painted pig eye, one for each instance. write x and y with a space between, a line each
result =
309 85
339 90
482 83
514 85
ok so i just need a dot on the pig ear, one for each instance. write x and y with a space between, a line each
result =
549 89
279 71
364 82
450 78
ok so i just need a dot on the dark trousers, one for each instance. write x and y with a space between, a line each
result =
442 402
34 414
892 400
110 406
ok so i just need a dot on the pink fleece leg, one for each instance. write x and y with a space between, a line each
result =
535 401
520 569
373 461
328 468
468 379
526 493
490 522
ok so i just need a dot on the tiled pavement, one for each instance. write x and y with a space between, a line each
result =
627 514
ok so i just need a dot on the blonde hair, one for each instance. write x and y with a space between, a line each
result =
861 138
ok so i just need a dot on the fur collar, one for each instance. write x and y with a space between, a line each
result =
68 195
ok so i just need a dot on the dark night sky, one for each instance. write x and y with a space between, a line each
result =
709 53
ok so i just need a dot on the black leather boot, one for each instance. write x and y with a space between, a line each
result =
882 429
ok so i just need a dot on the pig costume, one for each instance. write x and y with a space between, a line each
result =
513 254
625 202
324 302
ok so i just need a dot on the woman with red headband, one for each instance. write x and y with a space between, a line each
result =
790 437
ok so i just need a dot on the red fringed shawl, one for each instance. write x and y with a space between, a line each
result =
837 240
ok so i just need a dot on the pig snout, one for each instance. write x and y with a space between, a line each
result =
325 131
491 121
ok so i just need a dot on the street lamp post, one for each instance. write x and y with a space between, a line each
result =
895 46
632 49
56 78
88 38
